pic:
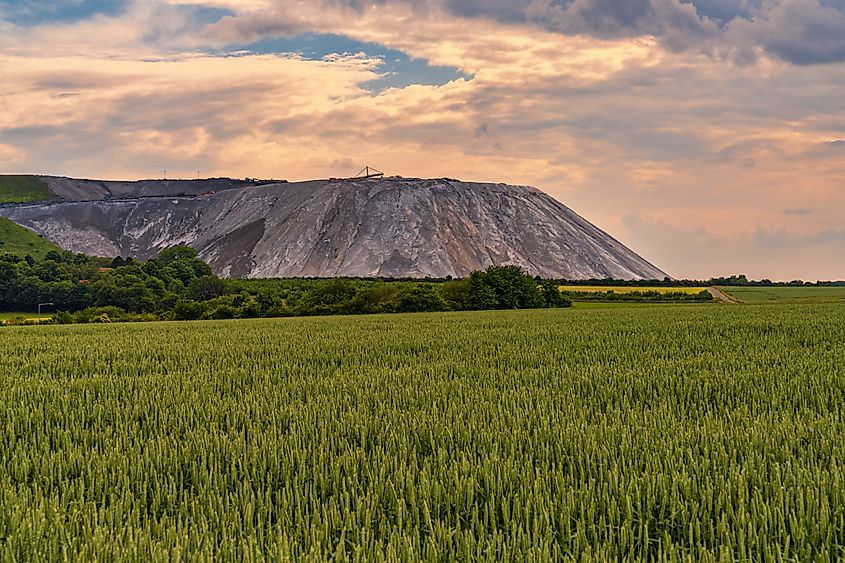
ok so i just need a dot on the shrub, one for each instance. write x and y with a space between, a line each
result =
421 298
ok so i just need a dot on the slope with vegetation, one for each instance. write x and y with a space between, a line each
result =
18 240
22 189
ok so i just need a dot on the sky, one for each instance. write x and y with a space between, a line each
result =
707 135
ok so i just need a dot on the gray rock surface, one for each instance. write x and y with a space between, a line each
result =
72 189
387 227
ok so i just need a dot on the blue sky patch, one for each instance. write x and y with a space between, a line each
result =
29 13
398 69
205 15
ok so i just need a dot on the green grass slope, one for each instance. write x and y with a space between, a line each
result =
22 189
757 295
21 241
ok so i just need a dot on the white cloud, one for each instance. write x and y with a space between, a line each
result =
692 145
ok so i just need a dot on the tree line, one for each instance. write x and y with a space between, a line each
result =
739 280
178 285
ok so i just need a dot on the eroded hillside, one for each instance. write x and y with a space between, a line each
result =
389 227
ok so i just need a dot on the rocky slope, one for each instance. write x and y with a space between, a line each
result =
389 227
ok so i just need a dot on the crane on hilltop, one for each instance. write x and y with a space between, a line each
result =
368 172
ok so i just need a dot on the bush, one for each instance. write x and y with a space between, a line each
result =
456 293
223 312
552 295
62 318
421 298
99 315
377 298
188 311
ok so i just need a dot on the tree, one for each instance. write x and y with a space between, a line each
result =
420 298
50 271
53 256
503 287
188 311
552 295
376 298
481 297
329 297
205 288
174 253
179 270
457 294
514 288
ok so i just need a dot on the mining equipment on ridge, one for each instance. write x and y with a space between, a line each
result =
368 172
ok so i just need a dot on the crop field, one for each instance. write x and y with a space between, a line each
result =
29 318
4 316
630 289
786 294
656 433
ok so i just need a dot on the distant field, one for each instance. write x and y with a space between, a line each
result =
4 316
30 318
21 189
21 241
630 289
786 294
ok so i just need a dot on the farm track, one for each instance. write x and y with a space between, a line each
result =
722 297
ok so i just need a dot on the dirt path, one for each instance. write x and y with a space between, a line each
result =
722 297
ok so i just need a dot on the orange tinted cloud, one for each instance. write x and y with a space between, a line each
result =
638 137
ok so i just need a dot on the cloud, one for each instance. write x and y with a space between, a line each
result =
801 32
609 114
796 31
784 238
10 155
678 25
797 212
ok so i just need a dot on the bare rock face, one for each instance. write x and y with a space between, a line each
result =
386 227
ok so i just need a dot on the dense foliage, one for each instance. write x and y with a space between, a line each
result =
74 282
624 434
178 285
644 296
